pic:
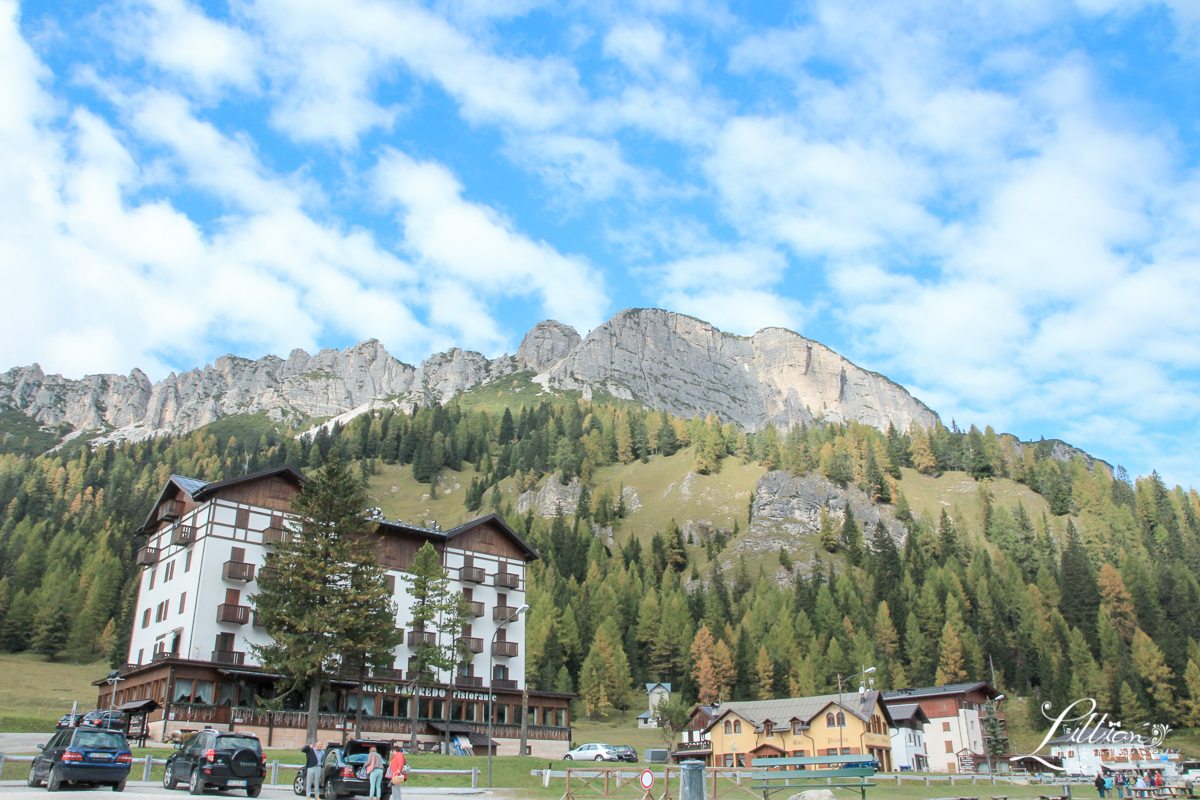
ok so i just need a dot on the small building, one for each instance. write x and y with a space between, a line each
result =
695 739
908 737
656 693
850 724
1088 751
954 732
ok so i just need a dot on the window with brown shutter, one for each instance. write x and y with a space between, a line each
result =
243 518
391 583
237 554
146 618
502 635
466 631
233 597
182 601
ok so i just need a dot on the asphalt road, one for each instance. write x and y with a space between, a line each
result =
22 742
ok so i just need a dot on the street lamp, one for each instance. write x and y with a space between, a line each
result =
113 679
491 677
842 727
991 712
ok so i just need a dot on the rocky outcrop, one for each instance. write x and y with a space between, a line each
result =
552 498
547 344
660 359
687 366
787 514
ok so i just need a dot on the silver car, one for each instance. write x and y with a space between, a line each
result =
593 752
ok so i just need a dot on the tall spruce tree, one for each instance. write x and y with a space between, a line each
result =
325 602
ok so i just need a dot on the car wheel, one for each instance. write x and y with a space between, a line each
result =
32 780
119 786
254 791
55 781
599 758
196 783
298 784
328 791
567 758
169 779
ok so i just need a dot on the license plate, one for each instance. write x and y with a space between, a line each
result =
235 783
100 756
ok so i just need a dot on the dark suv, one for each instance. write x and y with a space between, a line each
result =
625 753
340 774
82 755
220 760
113 720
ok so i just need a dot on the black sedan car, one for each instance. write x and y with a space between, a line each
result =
113 720
67 721
218 760
343 766
82 755
626 753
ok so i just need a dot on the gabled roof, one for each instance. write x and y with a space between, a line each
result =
902 695
803 709
199 491
650 686
446 536
906 712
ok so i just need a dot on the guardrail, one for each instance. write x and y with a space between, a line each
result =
149 761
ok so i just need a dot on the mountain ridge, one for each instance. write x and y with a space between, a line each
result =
661 359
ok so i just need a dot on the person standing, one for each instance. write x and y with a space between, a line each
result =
314 754
1119 781
1140 787
1100 785
396 767
374 770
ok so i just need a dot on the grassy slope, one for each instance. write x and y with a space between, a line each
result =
34 693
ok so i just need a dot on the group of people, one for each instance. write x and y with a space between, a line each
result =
1127 786
373 770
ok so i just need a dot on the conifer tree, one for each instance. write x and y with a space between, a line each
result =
851 537
826 536
765 670
1077 579
1156 675
950 666
1191 704
326 600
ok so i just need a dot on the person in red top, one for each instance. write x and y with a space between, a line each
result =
396 769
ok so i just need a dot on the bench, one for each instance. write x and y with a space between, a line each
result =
774 774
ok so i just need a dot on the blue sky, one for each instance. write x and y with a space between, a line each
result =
996 204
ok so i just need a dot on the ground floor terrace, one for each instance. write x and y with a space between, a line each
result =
191 695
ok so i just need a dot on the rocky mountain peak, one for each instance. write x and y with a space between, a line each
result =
545 345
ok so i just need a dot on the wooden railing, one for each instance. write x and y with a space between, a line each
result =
501 613
274 535
172 509
505 649
507 579
503 683
228 612
147 556
468 681
183 535
472 574
237 571
472 643
421 637
477 609
228 657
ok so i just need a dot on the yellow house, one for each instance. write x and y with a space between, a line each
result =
802 726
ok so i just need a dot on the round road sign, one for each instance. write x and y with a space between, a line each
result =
646 779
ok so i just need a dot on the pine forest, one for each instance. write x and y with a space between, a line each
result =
1091 592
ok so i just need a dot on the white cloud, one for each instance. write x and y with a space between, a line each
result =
475 245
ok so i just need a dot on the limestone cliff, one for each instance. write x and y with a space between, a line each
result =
657 358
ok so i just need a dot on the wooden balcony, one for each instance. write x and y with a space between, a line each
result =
472 574
387 674
503 683
504 649
501 613
412 675
275 535
237 571
228 657
468 681
147 556
182 535
236 615
508 580
416 638
172 509
477 609
163 655
473 644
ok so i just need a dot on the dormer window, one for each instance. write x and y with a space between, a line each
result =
768 729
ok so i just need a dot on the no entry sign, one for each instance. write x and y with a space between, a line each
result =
646 779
